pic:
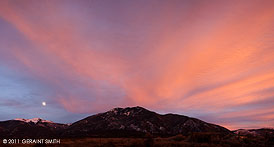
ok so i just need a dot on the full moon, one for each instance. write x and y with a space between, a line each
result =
44 103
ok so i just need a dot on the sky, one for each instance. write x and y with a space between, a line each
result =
213 60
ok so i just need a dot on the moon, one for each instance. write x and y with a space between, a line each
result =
44 103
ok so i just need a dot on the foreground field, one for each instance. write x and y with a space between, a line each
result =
193 140
120 142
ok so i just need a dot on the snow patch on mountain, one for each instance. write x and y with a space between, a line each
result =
34 120
127 113
245 132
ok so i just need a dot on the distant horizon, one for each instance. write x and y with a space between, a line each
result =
149 110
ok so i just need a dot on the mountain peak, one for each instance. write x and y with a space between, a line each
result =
34 120
139 121
135 107
127 111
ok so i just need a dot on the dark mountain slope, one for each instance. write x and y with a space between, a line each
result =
24 129
137 121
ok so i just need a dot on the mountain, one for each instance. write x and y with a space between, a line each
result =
118 122
137 121
30 128
140 124
264 132
263 136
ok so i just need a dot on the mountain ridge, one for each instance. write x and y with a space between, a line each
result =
34 120
139 121
117 122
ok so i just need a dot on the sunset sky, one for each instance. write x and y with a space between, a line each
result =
213 60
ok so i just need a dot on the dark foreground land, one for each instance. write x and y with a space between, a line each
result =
193 140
